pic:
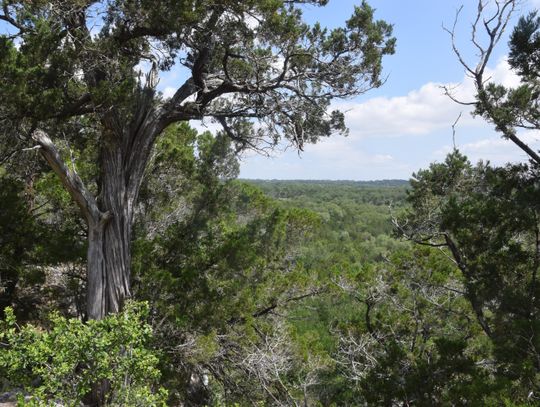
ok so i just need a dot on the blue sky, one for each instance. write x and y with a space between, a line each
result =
406 124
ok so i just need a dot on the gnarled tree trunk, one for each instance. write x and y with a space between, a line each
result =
109 240
108 275
109 220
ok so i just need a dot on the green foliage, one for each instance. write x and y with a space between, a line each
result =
487 219
355 218
525 42
410 326
16 230
302 293
230 250
72 60
299 293
72 69
59 364
510 109
36 232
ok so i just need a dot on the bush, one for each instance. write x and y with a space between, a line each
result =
60 364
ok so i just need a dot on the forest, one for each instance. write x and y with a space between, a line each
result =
137 268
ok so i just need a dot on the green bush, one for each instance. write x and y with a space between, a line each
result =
61 363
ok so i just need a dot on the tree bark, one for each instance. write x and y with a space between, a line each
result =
109 241
109 220
108 275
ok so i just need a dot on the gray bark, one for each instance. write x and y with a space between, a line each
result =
108 273
109 243
109 227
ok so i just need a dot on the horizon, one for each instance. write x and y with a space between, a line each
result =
325 180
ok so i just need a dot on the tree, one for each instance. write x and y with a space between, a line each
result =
486 219
15 238
232 252
39 232
73 70
63 360
509 110
414 341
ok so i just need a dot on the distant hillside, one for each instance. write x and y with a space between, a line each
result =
356 216
305 193
376 183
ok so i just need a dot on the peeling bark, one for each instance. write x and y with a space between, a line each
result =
109 227
108 268
114 241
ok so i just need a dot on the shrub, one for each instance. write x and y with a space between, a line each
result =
60 364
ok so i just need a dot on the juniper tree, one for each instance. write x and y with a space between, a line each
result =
84 74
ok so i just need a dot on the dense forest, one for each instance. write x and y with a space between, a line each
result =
137 269
284 292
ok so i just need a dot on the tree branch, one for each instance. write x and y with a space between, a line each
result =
70 179
494 27
473 299
272 307
7 17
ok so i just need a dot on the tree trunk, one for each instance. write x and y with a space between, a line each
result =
125 151
110 216
109 249
109 224
109 241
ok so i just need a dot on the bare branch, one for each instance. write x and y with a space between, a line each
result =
242 142
8 18
272 307
457 52
454 130
494 27
70 179
448 92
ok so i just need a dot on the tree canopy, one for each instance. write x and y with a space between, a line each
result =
240 60
86 73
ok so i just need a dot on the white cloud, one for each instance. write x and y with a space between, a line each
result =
342 152
503 74
535 4
382 158
390 137
495 149
331 158
421 111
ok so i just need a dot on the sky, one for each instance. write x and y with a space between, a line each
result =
407 123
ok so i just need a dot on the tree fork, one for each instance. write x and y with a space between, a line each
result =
109 235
